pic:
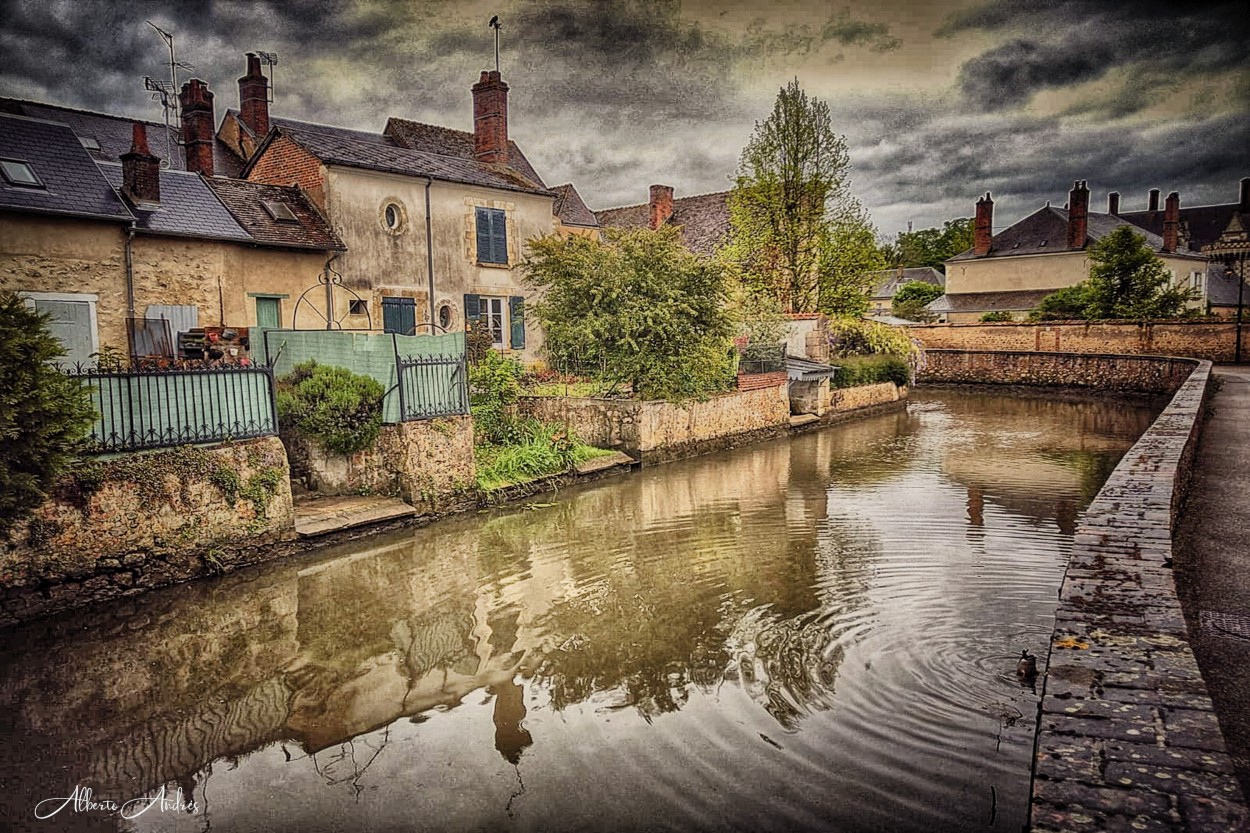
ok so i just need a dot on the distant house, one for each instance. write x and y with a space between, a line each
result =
111 249
703 219
1013 270
886 282
434 220
573 215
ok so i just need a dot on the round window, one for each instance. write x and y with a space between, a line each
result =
392 216
445 316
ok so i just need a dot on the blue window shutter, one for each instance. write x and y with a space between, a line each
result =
399 315
499 237
516 317
483 235
472 308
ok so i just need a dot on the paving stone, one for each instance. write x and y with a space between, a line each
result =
1173 758
1102 800
1172 781
1100 709
1203 814
1098 728
1193 729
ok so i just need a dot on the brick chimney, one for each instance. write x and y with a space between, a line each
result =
141 169
490 119
1078 215
1171 222
254 97
1113 203
198 123
1243 195
661 205
983 226
1153 203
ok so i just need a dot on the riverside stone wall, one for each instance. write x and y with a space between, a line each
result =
1211 340
426 462
144 520
1139 374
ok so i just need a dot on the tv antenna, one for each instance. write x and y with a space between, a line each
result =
168 97
269 59
496 25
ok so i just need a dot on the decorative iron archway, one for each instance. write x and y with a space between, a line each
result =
329 281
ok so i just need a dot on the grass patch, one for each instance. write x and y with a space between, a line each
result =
540 450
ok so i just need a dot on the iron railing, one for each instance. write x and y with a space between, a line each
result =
757 359
432 386
156 408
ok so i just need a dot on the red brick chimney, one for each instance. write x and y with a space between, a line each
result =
661 205
1078 215
490 119
1171 221
254 97
1153 203
141 169
983 226
198 123
1113 203
1243 195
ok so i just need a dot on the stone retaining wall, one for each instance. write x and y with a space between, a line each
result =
1138 374
1210 340
427 463
1128 739
140 521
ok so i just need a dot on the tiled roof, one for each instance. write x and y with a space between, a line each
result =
245 201
1202 225
989 301
188 208
704 220
1222 288
571 209
888 281
73 185
340 132
335 147
431 138
113 133
1045 231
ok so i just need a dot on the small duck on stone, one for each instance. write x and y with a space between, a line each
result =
1026 668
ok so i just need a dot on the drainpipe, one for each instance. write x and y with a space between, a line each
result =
429 250
130 277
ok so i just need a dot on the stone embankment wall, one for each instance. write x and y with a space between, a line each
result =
140 521
1211 340
656 432
428 463
1139 374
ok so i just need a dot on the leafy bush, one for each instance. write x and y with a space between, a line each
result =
870 370
340 410
494 385
44 415
538 449
857 337
918 291
996 316
1067 304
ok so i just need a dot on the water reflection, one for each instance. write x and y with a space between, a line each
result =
809 633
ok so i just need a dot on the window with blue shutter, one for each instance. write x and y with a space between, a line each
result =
516 321
492 236
399 315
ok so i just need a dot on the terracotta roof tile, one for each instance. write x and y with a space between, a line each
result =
246 200
704 220
571 209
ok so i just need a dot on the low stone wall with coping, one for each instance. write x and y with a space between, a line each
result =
1203 339
138 521
1136 374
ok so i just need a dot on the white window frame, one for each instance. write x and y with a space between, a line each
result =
89 298
486 314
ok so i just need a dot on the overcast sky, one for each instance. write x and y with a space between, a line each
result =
939 101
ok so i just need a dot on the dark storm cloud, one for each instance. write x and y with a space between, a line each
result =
1055 45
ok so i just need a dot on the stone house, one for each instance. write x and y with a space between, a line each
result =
703 219
572 214
434 220
106 247
1048 250
886 282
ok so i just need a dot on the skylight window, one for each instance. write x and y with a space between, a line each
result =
89 142
280 211
19 172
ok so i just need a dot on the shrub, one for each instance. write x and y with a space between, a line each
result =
44 415
340 410
996 316
1066 304
537 449
494 385
857 337
870 370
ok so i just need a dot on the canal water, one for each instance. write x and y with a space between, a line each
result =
816 633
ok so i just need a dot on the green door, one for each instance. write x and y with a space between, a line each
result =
269 313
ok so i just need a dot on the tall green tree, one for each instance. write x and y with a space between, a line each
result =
640 307
1128 280
931 246
795 229
44 415
911 299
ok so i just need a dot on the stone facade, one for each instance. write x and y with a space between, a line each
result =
1210 340
141 521
1138 374
428 463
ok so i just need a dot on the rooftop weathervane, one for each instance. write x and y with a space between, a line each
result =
496 25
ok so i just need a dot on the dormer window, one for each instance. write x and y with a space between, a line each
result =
89 142
280 211
19 172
